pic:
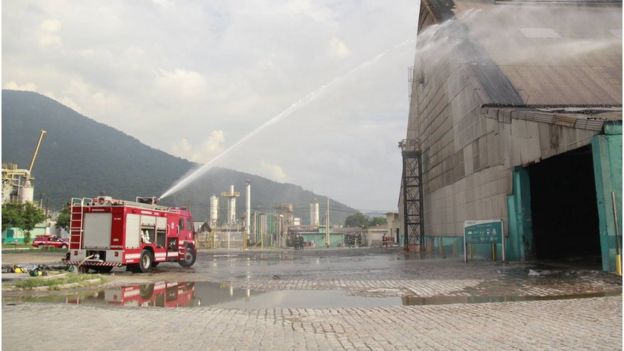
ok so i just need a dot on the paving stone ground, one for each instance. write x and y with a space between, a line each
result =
578 324
593 323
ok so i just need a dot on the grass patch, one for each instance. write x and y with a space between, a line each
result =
15 246
55 282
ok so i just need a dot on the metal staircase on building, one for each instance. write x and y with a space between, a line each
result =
414 237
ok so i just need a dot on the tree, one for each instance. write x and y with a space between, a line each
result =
375 221
62 221
356 220
32 215
359 220
25 216
12 216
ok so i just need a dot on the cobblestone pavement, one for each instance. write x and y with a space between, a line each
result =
579 324
442 322
394 273
386 272
373 272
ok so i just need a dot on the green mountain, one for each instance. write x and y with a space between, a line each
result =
81 158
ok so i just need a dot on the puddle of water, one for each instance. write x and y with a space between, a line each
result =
206 294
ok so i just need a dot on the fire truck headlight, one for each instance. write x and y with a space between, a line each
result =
96 256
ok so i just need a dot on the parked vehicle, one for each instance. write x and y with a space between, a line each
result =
107 233
50 241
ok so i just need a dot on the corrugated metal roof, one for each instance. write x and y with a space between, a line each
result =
544 54
562 2
589 118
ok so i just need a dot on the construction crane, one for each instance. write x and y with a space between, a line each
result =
17 184
36 152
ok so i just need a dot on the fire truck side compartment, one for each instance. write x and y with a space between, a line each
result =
117 231
148 221
161 231
133 235
97 230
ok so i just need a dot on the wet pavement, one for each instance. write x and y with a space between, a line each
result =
213 295
391 272
336 278
369 299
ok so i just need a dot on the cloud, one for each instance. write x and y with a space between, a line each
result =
50 25
49 33
204 152
339 48
77 94
273 172
181 83
163 3
65 100
307 8
15 86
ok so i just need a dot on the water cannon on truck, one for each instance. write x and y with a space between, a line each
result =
107 233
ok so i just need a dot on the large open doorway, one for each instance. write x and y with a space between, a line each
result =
564 209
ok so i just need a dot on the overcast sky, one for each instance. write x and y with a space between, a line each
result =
193 77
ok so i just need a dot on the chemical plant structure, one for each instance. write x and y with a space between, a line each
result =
229 233
280 228
18 184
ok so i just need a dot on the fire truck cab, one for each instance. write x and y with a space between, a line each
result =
107 233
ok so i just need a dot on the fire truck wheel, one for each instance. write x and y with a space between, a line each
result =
189 257
147 291
146 261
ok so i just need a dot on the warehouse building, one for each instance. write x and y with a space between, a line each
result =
515 114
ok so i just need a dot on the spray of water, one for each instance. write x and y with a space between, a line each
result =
305 100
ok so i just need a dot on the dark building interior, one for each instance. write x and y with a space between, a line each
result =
564 209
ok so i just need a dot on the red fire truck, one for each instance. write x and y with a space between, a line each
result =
159 294
107 233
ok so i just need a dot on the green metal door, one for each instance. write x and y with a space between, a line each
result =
607 157
520 241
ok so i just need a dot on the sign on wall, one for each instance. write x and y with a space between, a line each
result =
488 231
484 232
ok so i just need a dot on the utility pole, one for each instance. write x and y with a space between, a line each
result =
278 234
248 216
255 227
327 241
270 229
262 233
